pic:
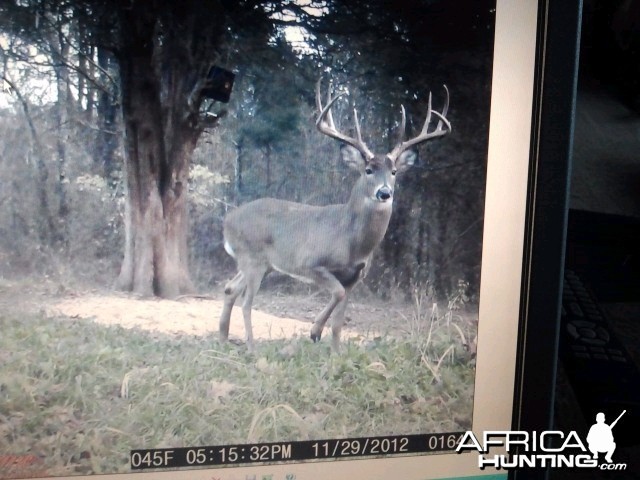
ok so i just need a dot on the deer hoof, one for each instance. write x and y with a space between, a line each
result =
315 338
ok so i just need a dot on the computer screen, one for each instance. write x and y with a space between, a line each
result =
437 340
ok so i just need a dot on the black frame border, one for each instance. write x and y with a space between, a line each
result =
556 71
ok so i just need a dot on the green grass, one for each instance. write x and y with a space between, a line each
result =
80 395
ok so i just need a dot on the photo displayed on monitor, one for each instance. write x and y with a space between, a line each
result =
307 268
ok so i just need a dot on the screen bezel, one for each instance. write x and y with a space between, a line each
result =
545 235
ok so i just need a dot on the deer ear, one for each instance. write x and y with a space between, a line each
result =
406 160
352 157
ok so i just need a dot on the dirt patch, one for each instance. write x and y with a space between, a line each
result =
276 314
193 316
199 316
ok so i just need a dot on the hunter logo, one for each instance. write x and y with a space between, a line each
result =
550 448
600 437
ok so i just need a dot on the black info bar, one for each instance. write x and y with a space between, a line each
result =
293 451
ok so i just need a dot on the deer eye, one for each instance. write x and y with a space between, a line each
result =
393 172
368 170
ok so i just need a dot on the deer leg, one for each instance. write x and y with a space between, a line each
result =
231 292
327 280
338 322
253 280
348 279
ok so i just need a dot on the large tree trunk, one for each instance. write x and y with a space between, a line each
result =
158 147
155 257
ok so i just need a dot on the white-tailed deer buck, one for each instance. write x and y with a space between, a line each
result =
330 246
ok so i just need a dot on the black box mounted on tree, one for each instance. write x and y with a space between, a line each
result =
219 84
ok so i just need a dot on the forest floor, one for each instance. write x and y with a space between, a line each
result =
276 314
87 375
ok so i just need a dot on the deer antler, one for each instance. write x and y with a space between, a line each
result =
326 125
424 135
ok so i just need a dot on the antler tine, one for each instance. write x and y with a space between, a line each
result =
442 116
444 111
424 134
325 112
325 115
330 102
357 122
442 120
326 125
425 127
403 124
361 145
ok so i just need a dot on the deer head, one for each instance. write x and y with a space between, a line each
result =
379 170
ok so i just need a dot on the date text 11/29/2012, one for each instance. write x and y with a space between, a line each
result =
293 451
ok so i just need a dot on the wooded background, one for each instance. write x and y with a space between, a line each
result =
114 167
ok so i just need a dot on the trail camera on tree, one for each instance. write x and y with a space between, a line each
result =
219 84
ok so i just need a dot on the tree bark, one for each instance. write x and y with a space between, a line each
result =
106 140
61 117
106 112
158 148
237 167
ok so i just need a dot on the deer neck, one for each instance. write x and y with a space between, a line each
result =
367 220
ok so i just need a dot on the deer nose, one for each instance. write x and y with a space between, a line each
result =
384 193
